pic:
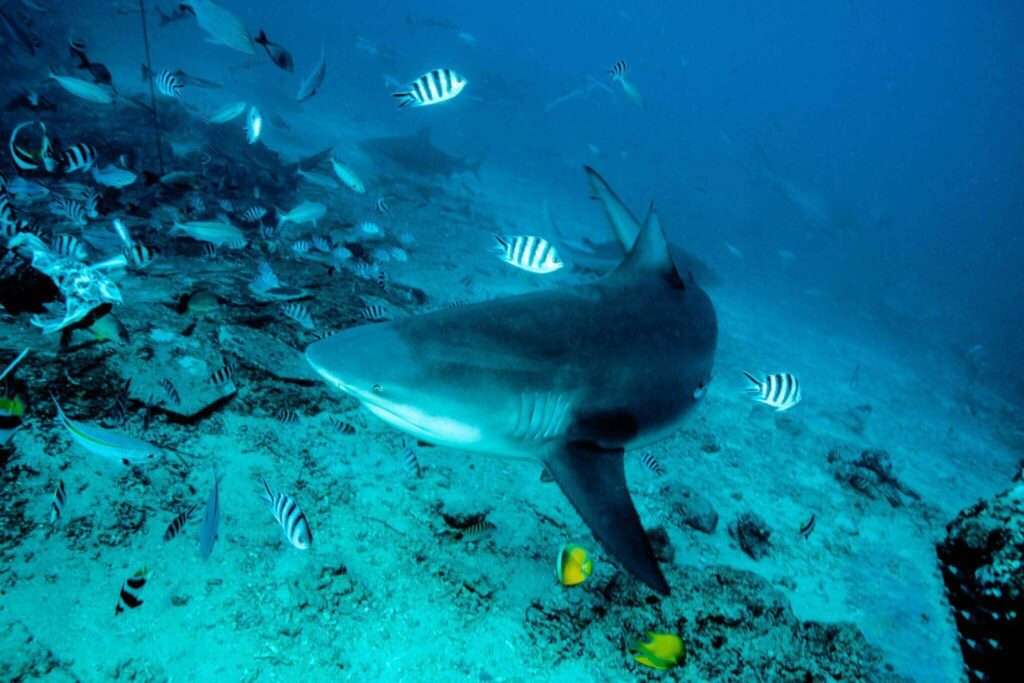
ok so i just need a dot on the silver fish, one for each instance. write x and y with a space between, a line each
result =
210 529
312 83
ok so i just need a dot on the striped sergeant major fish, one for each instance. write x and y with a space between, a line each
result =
780 390
433 87
79 157
8 219
69 209
530 253
68 246
138 255
289 516
169 84
618 73
253 214
299 314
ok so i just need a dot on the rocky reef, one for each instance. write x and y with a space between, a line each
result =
982 563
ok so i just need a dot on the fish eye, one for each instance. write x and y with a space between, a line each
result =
377 388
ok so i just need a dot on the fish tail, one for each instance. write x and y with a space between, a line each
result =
268 492
261 39
404 99
756 381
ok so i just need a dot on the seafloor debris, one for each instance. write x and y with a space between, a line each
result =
982 562
871 475
690 508
753 535
736 627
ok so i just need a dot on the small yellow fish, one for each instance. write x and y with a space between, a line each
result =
110 328
11 406
661 651
573 565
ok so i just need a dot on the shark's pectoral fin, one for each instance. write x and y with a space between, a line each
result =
594 481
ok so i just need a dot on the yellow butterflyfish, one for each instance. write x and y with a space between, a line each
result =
661 651
574 565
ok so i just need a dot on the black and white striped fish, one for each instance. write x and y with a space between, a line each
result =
321 244
130 589
68 209
68 246
382 207
286 416
530 253
178 523
374 313
433 87
8 219
60 497
302 246
619 69
478 529
345 428
253 214
91 202
299 314
651 463
382 279
169 83
138 255
79 157
209 250
290 517
268 232
412 463
222 375
171 391
780 390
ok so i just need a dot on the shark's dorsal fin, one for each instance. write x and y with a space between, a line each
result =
623 222
650 254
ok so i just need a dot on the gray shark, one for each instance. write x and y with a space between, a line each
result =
569 377
416 153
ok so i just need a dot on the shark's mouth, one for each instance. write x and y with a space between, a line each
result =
408 418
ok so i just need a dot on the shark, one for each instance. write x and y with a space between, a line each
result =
595 256
418 154
570 377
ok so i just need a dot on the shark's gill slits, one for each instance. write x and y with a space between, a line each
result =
541 416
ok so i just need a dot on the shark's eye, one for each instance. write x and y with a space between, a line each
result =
377 389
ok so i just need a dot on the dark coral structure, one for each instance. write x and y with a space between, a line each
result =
982 562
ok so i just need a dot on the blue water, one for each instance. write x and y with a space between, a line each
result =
847 176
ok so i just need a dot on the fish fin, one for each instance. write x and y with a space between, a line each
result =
756 381
624 224
650 254
261 39
594 481
268 493
404 98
